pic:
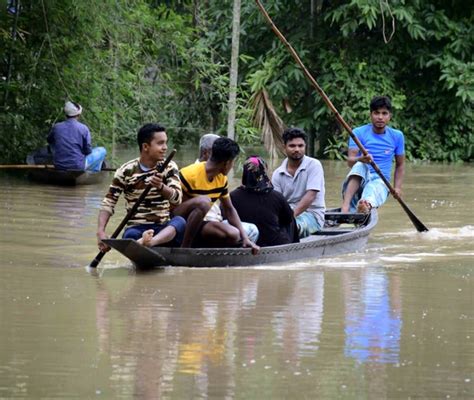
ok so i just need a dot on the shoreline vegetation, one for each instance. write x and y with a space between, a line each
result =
130 63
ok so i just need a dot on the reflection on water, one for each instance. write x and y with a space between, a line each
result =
298 325
373 316
393 321
202 339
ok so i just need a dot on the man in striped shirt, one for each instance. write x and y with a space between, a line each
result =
203 184
152 224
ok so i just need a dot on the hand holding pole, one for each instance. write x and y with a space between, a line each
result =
418 224
95 262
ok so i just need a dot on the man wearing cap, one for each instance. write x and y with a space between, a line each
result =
70 141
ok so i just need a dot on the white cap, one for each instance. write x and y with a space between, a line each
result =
207 141
72 109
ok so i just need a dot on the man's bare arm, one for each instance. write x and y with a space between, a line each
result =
353 157
305 202
233 217
399 174
104 217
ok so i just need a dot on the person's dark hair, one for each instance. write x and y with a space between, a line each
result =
380 102
146 132
224 149
293 133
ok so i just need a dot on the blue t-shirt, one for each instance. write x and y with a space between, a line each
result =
71 143
382 146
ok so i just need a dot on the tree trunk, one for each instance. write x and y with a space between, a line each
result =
234 70
115 69
16 8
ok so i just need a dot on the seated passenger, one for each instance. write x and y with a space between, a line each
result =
203 184
152 224
70 142
300 179
214 214
257 202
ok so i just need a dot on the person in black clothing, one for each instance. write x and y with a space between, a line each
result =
257 202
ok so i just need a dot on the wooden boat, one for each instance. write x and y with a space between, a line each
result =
343 233
51 175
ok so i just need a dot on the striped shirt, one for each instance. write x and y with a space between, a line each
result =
194 182
132 180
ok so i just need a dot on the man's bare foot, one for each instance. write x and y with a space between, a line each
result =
363 206
146 238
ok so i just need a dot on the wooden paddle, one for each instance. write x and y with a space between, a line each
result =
160 168
40 166
418 224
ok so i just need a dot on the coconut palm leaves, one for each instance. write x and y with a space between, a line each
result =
266 119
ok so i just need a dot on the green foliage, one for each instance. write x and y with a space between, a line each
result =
126 62
426 68
131 62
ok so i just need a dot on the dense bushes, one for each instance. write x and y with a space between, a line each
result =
131 62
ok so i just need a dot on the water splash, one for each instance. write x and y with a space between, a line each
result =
460 233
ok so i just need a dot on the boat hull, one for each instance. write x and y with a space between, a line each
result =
66 178
59 177
329 242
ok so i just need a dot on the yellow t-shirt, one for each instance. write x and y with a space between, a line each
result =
194 182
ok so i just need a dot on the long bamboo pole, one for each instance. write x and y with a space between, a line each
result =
418 224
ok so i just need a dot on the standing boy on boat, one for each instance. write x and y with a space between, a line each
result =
152 224
70 141
363 188
203 184
301 181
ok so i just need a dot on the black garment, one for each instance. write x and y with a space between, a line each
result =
254 175
270 212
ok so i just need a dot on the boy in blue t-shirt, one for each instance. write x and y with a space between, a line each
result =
363 187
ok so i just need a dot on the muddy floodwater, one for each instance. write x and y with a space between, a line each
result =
394 321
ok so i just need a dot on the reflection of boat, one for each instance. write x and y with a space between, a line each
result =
343 233
49 174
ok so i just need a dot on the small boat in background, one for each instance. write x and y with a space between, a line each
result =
342 233
46 173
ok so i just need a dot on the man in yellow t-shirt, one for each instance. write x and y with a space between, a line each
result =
203 184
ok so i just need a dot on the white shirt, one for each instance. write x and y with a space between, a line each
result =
308 176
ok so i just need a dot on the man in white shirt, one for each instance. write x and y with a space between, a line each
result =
301 181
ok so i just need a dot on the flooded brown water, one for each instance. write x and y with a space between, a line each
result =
394 321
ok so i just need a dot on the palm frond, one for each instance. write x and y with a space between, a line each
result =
266 119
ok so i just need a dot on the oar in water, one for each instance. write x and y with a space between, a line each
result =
39 166
418 224
95 262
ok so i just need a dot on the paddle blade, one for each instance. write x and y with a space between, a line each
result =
98 258
420 227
